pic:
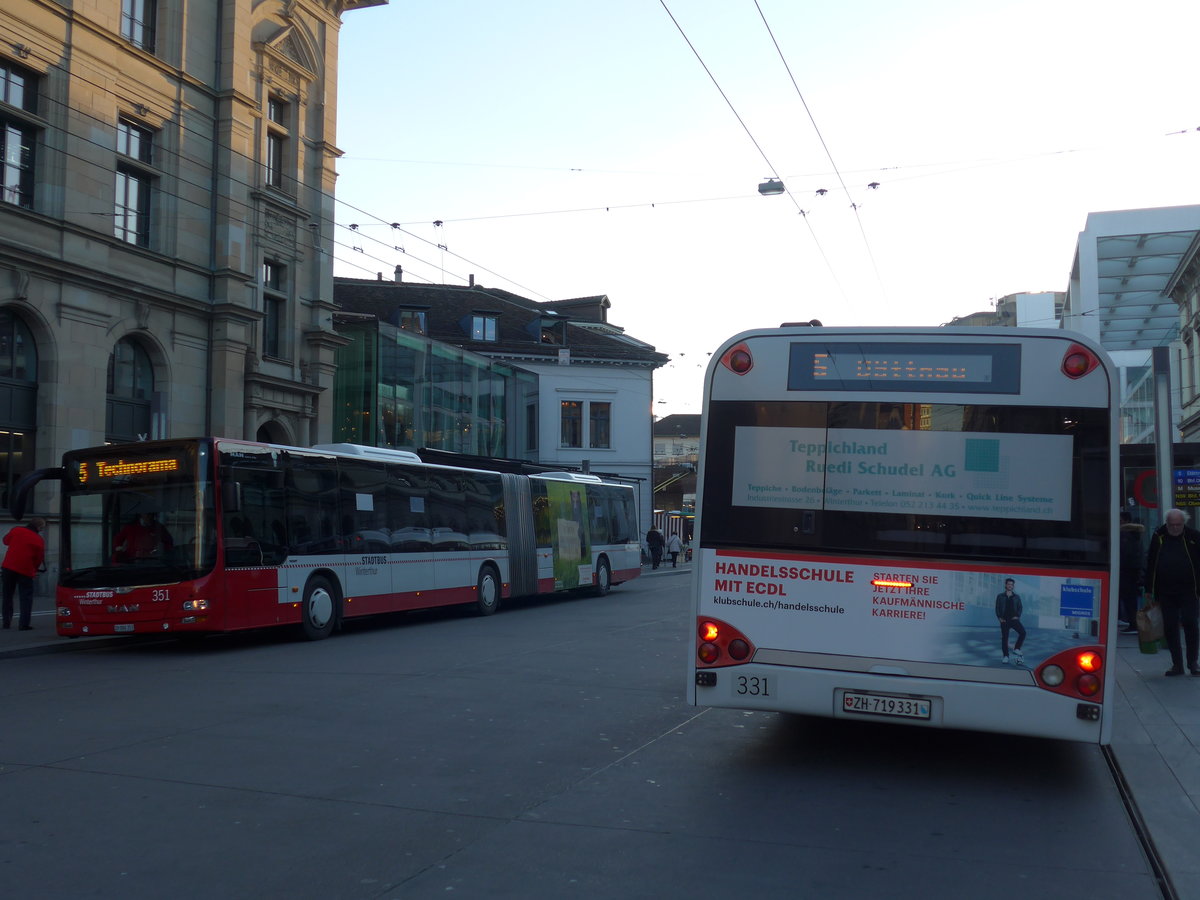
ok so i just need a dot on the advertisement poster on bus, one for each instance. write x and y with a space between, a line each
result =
940 614
568 534
861 470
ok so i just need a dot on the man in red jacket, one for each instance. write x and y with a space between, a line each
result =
25 555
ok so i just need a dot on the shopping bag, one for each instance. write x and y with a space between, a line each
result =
1150 627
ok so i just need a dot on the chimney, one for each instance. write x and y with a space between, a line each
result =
471 280
379 276
399 273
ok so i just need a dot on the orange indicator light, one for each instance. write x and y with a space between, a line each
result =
708 631
1089 661
879 582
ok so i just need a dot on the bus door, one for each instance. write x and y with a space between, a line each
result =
363 528
253 536
410 543
314 542
447 506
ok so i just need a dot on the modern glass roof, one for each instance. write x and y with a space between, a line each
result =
1133 271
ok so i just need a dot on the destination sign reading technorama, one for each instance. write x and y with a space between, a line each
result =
1024 476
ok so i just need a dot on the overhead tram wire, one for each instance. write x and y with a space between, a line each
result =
584 209
824 146
770 166
235 202
387 264
357 230
418 237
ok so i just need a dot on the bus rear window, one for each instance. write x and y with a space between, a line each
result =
938 479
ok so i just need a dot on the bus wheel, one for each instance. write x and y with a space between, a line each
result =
487 591
603 577
318 613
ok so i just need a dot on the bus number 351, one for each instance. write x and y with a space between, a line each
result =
753 686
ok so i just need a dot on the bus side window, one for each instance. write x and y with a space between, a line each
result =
312 502
249 510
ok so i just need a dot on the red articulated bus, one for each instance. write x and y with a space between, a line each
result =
214 535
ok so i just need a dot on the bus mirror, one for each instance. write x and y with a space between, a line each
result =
231 497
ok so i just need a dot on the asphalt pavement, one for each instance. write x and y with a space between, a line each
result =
1156 737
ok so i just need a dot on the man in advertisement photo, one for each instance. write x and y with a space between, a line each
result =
1008 611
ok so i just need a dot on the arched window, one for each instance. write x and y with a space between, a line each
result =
130 393
18 401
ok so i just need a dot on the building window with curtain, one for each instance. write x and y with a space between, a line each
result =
279 115
133 183
586 423
572 424
18 402
18 136
137 23
274 287
599 425
130 393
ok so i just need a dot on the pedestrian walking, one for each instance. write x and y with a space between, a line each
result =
655 543
674 547
24 558
1171 580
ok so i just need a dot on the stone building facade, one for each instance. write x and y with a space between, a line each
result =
166 222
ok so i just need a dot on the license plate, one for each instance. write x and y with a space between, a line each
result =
886 705
122 628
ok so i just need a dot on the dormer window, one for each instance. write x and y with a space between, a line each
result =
483 328
411 320
551 330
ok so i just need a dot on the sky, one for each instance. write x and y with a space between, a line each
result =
571 148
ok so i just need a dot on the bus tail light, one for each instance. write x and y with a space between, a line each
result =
720 644
1078 361
1074 673
737 359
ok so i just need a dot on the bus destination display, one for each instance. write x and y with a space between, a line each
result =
885 366
124 468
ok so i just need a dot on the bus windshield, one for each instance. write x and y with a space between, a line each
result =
135 519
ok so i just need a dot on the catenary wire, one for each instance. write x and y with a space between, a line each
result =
853 205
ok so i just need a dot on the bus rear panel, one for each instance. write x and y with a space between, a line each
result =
909 526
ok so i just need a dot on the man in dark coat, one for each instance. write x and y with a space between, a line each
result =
1172 579
655 543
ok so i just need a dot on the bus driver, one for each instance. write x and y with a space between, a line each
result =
143 538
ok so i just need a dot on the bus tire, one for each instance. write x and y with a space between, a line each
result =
319 611
487 591
603 577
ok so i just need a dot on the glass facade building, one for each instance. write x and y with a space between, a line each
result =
397 388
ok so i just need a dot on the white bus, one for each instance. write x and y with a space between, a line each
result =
909 525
